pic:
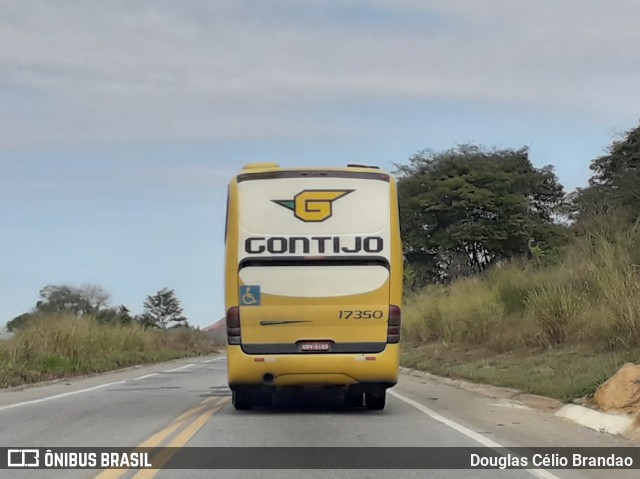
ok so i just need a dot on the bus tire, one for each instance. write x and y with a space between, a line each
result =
353 399
375 400
242 400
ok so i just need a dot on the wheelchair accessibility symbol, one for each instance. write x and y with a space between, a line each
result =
250 295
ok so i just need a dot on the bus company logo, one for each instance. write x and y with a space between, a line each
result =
313 206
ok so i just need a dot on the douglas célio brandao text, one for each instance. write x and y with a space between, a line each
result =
567 461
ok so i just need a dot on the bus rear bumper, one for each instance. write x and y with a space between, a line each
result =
307 369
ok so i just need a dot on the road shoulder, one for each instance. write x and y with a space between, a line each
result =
614 424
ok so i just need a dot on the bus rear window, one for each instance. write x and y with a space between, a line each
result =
316 281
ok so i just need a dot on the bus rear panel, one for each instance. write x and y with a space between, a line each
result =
313 282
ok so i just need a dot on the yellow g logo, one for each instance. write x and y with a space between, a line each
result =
313 206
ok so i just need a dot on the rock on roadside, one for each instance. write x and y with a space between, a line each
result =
621 392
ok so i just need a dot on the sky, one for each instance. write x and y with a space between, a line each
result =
121 122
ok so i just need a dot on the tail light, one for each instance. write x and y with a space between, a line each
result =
233 325
393 327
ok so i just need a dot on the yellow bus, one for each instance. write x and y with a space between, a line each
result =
313 274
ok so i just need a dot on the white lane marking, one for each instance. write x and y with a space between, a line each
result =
542 474
145 376
179 369
213 360
58 396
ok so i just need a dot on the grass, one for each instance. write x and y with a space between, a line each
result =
558 330
564 373
55 346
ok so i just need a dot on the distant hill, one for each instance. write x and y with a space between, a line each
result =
214 327
217 331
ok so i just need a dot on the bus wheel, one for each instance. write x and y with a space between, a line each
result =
242 400
353 399
375 400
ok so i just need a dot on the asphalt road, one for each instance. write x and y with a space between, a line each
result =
186 403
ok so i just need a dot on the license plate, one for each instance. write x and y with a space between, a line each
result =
317 346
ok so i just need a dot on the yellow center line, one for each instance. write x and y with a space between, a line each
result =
159 436
179 441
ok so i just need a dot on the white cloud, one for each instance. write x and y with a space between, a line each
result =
75 71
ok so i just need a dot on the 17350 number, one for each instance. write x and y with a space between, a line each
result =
360 314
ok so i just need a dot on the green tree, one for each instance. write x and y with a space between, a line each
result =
89 299
615 184
20 321
119 315
161 309
79 301
465 208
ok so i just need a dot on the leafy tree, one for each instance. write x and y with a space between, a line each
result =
161 309
96 296
79 301
119 315
20 321
87 299
465 208
615 184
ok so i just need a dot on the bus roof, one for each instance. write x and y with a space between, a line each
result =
272 167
